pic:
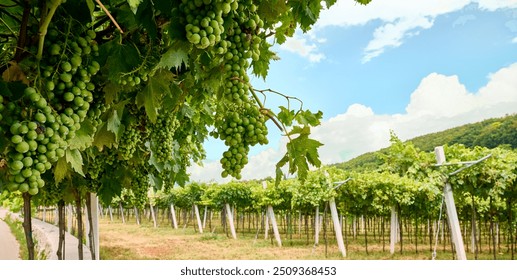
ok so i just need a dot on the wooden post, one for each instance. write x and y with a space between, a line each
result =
101 213
451 210
94 200
230 219
271 215
56 217
317 226
121 212
204 216
337 227
173 214
153 215
198 218
266 223
137 217
393 229
69 218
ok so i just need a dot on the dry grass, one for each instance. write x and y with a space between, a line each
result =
144 242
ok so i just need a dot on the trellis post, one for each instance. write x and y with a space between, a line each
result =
452 215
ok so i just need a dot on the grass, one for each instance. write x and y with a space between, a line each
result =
144 242
17 230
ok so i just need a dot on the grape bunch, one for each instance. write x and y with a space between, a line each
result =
67 72
204 20
231 31
162 136
139 187
129 81
35 139
129 140
101 162
95 113
41 123
240 128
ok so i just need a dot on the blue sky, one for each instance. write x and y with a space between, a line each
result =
411 66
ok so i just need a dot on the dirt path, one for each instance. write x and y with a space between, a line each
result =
8 244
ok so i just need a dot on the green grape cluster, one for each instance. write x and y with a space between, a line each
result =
130 140
139 187
35 141
95 113
99 163
241 127
231 31
162 136
204 20
130 81
50 111
67 72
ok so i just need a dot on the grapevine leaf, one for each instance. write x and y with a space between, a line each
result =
119 59
308 118
14 73
174 57
151 96
111 91
84 136
91 7
103 137
112 185
134 5
286 116
261 66
60 170
273 10
279 174
363 2
146 18
306 12
170 101
329 3
114 120
75 159
301 151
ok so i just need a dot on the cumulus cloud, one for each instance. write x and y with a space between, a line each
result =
438 103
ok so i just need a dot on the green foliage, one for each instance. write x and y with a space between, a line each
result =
94 88
489 133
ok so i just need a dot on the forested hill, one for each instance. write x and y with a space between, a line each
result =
489 133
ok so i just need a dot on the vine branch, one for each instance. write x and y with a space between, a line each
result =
22 40
44 26
109 15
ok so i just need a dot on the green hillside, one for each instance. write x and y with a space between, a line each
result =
489 133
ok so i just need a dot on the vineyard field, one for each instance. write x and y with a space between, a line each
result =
127 240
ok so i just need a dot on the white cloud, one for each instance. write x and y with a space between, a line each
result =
514 40
393 34
399 19
462 20
438 103
305 49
